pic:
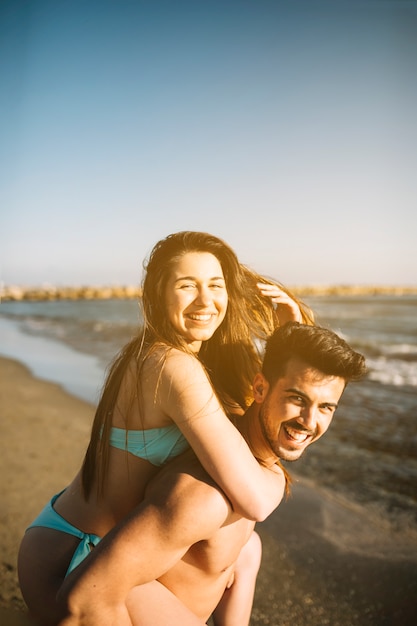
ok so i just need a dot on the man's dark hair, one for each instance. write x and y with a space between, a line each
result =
318 347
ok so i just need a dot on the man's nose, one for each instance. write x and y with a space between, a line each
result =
309 417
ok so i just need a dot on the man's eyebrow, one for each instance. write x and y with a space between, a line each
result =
298 392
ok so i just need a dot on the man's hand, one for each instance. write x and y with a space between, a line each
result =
102 615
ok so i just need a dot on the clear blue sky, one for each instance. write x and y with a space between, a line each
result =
287 128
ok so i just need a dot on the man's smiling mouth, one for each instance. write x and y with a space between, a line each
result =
297 435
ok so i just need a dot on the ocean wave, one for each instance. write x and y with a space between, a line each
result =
371 348
102 328
392 371
404 351
387 365
102 339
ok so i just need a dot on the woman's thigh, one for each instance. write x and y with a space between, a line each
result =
153 604
43 560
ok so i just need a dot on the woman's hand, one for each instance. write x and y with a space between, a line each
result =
287 309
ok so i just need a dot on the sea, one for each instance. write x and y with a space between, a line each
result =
369 454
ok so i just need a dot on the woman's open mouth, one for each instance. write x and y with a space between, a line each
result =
199 317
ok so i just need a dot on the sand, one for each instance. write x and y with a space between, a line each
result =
326 560
43 435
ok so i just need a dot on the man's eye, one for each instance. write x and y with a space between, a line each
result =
297 399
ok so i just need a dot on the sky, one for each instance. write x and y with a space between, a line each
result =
288 129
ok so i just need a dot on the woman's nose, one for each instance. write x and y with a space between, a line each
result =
203 296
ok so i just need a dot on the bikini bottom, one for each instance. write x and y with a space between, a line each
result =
49 518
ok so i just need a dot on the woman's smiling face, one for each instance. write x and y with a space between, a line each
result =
196 297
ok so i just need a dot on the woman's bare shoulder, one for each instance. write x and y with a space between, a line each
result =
167 359
168 371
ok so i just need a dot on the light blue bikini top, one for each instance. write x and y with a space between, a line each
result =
156 445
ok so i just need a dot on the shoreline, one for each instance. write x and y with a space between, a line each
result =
326 560
49 359
17 293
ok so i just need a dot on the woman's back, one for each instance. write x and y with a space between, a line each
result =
140 431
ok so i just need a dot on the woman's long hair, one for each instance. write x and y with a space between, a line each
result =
231 356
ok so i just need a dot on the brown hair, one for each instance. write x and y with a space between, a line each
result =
319 347
231 356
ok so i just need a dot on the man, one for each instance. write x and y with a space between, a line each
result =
174 559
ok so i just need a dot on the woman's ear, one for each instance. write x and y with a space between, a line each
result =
260 387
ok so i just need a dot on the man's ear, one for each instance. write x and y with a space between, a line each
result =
260 387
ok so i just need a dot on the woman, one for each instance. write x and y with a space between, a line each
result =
171 387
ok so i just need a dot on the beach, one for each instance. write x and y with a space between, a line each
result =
326 559
43 434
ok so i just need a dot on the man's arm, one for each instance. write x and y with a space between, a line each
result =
179 510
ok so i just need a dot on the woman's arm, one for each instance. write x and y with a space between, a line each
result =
187 397
287 308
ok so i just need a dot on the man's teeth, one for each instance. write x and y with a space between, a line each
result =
298 436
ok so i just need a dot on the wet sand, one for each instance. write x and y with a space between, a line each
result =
326 561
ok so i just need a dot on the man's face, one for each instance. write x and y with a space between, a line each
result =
298 409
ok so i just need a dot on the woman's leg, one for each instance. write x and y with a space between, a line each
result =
235 607
44 557
153 604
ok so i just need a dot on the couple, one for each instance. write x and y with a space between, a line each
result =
179 545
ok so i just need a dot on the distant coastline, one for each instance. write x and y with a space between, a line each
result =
49 292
